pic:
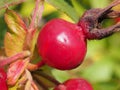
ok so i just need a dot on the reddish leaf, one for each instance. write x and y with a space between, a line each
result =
15 70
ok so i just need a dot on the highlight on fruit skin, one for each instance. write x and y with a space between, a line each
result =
61 44
75 84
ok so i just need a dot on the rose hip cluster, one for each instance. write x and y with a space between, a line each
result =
63 45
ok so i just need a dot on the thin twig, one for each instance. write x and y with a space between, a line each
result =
11 4
33 67
53 80
37 14
34 14
37 79
40 13
14 58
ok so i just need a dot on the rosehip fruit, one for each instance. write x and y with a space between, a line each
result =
117 20
75 84
3 77
61 44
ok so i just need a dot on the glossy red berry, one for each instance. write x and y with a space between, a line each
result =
3 77
75 84
61 44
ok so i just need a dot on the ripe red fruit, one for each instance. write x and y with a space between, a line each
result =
3 77
75 84
117 20
61 44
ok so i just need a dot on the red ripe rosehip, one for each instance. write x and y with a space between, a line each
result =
117 20
61 44
75 84
3 77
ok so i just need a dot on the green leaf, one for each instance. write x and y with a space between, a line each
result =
112 85
99 4
60 75
79 8
14 22
117 70
65 7
15 37
13 88
2 30
101 71
34 40
8 2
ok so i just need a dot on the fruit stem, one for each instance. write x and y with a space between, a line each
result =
11 4
37 14
38 80
48 77
36 17
33 67
11 59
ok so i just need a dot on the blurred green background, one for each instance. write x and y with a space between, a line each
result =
101 66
